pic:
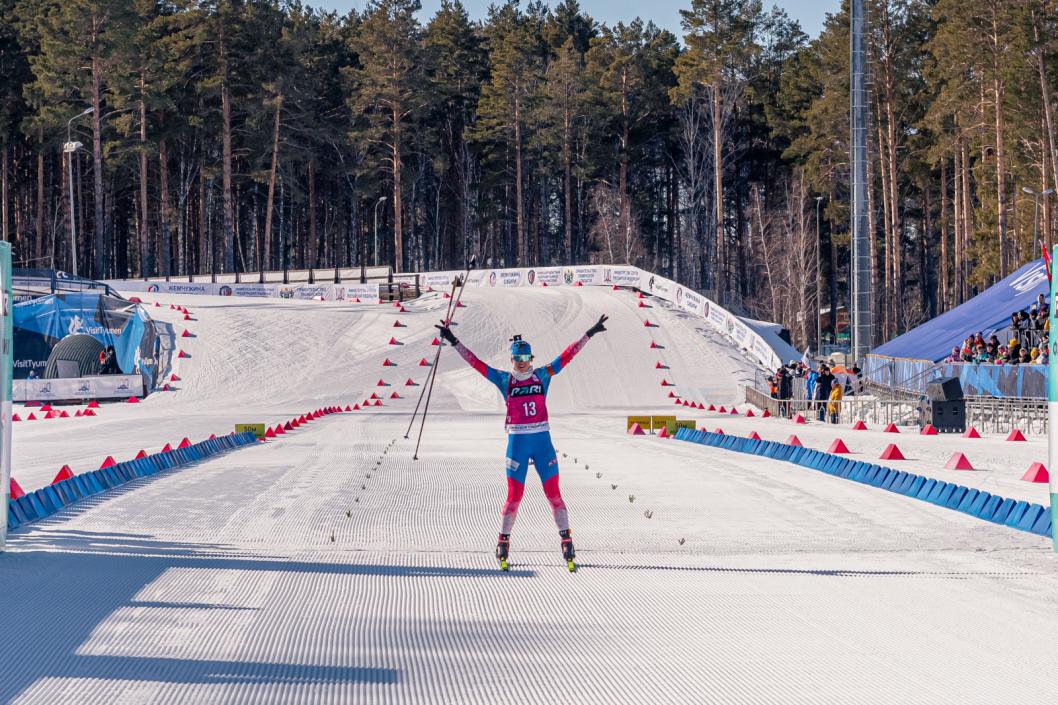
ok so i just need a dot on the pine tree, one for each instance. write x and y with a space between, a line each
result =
721 46
385 91
507 100
454 51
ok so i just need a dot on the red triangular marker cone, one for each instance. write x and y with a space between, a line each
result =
958 461
891 428
184 443
859 425
108 462
1036 473
928 430
799 419
971 433
17 491
664 433
749 413
766 414
794 441
838 446
64 474
1016 435
635 430
891 452
754 436
423 363
141 455
166 448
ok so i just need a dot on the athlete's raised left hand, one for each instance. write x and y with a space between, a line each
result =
598 327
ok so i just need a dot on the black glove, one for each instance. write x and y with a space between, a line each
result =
446 333
598 327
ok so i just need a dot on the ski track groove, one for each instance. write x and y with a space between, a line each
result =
219 583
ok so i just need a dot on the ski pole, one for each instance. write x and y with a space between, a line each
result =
437 355
453 303
429 392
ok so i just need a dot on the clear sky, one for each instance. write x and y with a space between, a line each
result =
664 13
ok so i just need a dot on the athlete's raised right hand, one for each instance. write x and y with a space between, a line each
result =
446 333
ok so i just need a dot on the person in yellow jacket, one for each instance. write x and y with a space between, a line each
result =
834 405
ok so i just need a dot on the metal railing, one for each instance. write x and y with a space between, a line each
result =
986 414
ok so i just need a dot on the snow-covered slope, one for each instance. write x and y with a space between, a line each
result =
330 567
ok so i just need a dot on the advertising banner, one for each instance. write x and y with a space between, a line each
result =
367 292
40 324
587 275
97 387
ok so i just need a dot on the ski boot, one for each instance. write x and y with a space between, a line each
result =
567 549
503 549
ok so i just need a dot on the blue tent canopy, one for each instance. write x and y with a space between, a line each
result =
41 323
987 312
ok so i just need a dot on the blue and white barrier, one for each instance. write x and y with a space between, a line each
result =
1020 515
49 500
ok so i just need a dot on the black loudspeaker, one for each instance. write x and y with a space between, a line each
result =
946 416
944 389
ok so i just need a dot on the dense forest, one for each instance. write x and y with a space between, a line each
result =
198 136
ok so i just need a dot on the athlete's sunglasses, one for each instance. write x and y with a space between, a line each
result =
522 358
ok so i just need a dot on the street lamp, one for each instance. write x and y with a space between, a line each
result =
819 272
1036 214
69 148
377 204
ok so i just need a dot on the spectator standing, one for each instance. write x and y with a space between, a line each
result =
834 405
785 392
822 390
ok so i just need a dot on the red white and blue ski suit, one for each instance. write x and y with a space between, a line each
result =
528 432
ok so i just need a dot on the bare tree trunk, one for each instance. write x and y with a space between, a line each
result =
967 218
98 239
718 193
228 264
165 214
928 293
4 192
872 235
887 317
313 244
998 88
896 238
143 234
398 206
944 303
567 184
39 248
266 253
205 251
519 236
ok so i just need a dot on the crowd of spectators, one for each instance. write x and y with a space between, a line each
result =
821 386
1027 345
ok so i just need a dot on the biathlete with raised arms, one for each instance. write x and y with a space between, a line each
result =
524 390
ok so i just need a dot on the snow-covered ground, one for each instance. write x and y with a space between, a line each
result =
328 566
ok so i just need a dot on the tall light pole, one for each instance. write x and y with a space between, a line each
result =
377 204
69 148
819 275
1036 215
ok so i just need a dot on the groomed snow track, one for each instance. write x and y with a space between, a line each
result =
327 566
